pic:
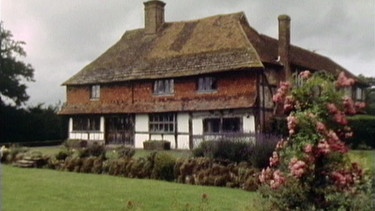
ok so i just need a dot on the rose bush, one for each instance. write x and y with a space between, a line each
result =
311 169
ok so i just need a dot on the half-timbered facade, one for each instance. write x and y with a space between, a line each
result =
185 82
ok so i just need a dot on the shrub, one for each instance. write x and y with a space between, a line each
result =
125 152
63 154
232 150
163 167
97 150
75 143
262 150
156 145
363 127
311 170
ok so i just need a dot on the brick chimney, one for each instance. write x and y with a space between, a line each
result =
154 16
284 44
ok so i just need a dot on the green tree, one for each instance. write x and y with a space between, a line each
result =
13 72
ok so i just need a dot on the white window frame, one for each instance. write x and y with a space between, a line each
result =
95 92
162 123
86 123
222 126
207 84
359 93
164 87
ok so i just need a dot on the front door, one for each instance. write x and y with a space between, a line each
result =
120 129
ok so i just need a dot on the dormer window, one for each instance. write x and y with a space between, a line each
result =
164 87
207 84
95 92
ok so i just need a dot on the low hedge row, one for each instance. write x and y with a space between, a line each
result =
157 165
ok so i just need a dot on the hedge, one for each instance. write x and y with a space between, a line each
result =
363 127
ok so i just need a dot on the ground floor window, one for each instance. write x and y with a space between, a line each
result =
86 123
162 123
222 125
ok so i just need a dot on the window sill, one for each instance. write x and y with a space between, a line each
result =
207 91
163 94
94 99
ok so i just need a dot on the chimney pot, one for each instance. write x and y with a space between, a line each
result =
154 15
284 44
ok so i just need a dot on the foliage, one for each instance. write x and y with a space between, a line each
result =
28 125
262 150
256 152
125 152
13 73
233 150
363 127
163 168
156 145
311 170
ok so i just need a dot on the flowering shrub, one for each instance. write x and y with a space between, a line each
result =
310 169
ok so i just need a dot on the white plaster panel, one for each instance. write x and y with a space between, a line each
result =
141 123
197 126
139 139
183 122
102 125
70 124
183 142
248 124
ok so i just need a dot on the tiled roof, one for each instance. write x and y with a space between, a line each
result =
208 45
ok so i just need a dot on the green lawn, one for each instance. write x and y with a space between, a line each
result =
39 189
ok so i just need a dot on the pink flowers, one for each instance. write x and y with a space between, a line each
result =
281 92
308 148
323 148
338 116
305 74
349 105
343 81
335 143
320 127
297 167
289 104
274 179
278 180
274 160
332 108
292 124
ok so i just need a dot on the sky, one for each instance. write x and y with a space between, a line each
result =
64 36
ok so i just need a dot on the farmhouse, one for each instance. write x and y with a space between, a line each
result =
186 82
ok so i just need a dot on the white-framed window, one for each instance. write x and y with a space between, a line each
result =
95 92
207 84
165 86
162 123
86 123
347 91
359 94
222 125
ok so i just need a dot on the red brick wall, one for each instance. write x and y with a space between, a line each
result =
230 87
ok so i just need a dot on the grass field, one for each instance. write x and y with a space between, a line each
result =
39 189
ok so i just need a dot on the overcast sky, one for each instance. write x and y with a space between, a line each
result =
63 36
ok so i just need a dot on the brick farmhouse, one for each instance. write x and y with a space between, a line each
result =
186 82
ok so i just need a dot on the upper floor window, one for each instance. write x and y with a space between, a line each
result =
162 123
165 86
95 92
86 123
207 84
